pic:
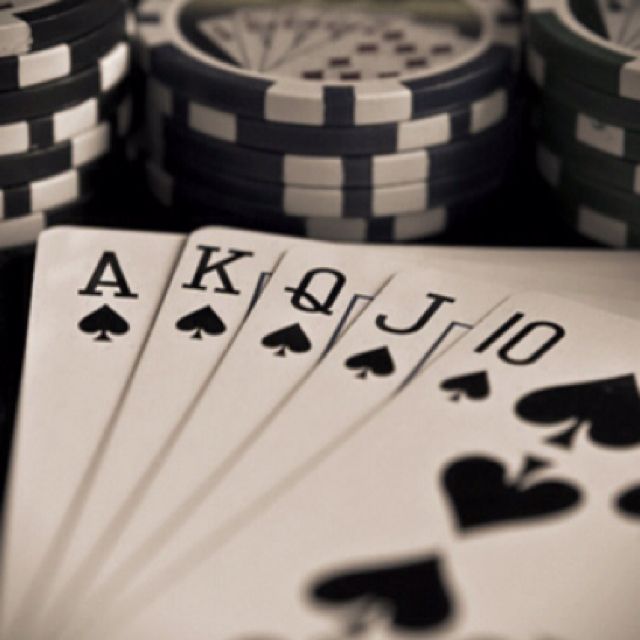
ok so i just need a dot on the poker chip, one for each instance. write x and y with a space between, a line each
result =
436 129
65 109
19 72
559 122
281 114
50 129
619 111
51 192
579 189
78 151
582 57
181 192
415 226
592 42
355 202
323 64
43 99
181 148
32 25
617 172
419 226
601 227
22 231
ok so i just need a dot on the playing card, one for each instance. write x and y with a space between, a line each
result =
603 279
111 505
495 497
415 318
617 265
219 276
314 294
95 293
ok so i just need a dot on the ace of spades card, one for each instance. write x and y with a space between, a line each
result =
400 505
95 294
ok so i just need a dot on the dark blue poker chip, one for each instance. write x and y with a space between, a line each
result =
185 149
32 25
440 127
82 149
40 100
54 191
364 64
20 72
23 136
274 201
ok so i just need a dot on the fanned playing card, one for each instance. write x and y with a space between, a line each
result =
452 513
313 295
220 276
141 494
95 294
415 318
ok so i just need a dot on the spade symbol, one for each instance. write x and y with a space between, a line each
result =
474 386
104 321
204 320
481 494
291 338
377 361
610 408
629 502
410 595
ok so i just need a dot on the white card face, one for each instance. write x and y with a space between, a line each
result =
220 274
416 317
313 295
604 279
595 262
94 297
497 496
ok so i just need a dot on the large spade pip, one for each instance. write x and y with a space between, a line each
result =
608 409
410 595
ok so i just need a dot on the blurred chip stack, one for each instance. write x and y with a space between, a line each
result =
361 121
583 56
64 109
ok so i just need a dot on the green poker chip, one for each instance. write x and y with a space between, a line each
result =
570 127
591 41
599 226
616 172
556 83
580 190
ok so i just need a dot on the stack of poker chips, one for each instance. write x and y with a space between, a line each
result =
64 108
385 120
583 57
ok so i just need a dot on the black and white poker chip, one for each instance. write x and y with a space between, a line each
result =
51 192
82 149
437 128
183 149
24 231
329 63
32 25
45 131
274 201
43 99
62 60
